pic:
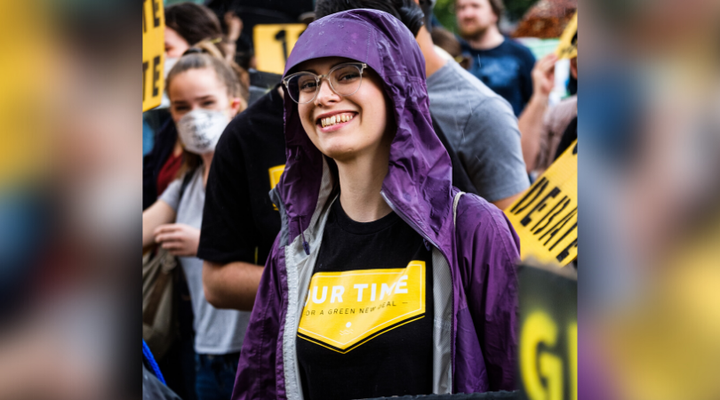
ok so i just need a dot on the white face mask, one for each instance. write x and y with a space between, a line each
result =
200 129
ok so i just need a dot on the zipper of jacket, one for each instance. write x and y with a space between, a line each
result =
427 238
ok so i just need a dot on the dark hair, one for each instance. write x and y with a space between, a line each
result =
442 38
406 11
213 49
427 8
224 72
193 22
498 8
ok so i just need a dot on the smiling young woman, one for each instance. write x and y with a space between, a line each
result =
345 116
355 124
372 289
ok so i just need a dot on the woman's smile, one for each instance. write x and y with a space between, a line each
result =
332 121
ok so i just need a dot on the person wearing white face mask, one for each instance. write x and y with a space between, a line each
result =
187 26
204 94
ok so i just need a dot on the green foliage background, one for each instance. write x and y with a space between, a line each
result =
444 10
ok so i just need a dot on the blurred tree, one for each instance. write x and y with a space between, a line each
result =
445 13
515 9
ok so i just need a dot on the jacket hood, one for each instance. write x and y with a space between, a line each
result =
418 183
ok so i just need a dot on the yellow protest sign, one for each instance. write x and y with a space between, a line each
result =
547 345
30 89
545 217
153 53
568 41
273 44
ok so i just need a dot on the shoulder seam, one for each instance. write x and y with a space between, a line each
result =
497 228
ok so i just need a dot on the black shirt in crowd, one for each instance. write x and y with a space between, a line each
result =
367 325
240 222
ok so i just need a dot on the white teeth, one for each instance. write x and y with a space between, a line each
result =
335 119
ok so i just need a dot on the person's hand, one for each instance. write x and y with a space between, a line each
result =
234 24
543 75
178 239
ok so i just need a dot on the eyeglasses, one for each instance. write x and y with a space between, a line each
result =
344 79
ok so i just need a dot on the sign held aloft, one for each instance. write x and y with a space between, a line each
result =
568 41
546 216
153 53
273 44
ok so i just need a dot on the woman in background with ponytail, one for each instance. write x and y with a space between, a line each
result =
205 95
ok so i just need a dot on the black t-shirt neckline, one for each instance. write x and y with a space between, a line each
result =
361 228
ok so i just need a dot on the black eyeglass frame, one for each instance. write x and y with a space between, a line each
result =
319 78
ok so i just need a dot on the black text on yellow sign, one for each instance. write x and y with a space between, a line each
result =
153 52
273 44
547 347
546 216
568 41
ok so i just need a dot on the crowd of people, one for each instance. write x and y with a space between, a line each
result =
381 262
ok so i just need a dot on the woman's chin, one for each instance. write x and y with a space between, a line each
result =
340 153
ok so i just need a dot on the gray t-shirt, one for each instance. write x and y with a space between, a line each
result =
216 331
481 127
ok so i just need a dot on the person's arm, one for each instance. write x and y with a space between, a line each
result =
158 214
492 152
530 121
504 203
528 84
232 285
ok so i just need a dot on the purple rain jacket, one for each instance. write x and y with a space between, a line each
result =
474 277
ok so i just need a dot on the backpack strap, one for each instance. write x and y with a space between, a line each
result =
455 204
186 181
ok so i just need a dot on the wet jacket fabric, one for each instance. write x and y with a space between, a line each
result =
474 279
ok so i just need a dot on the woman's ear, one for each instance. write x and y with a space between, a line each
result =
237 105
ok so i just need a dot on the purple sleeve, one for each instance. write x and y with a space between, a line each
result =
256 375
490 250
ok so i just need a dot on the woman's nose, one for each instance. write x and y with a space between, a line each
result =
325 93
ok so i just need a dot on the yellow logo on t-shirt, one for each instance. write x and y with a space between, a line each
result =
343 310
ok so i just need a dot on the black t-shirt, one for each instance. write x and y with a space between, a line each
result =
367 326
568 137
506 69
239 217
